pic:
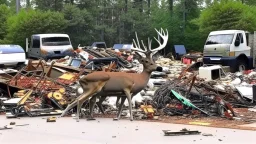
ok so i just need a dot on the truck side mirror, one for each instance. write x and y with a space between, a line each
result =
237 43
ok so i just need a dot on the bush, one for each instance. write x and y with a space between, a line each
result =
25 24
5 12
228 15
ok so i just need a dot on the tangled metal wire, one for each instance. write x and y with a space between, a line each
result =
162 94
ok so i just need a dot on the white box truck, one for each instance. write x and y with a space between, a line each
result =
233 48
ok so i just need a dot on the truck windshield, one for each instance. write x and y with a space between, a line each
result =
220 39
55 41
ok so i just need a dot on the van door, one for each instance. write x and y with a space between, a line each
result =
34 50
242 48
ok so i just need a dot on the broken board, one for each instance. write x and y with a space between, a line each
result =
177 133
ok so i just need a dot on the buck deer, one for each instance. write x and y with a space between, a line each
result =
121 84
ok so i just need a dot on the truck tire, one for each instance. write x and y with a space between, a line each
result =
241 65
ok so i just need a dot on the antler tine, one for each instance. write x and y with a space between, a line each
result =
164 36
145 48
137 40
149 44
137 45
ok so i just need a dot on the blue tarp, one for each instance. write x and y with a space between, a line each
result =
7 49
122 46
180 49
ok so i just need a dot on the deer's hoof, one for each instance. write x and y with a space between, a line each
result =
89 119
131 119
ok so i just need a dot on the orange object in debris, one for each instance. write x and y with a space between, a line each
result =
148 109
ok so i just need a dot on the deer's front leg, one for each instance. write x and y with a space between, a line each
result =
129 97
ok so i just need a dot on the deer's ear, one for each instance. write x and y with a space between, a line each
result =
137 55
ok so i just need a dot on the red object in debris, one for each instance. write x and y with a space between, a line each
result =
253 82
247 71
91 57
130 57
179 106
186 61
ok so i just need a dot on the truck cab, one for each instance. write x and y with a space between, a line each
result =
228 48
49 46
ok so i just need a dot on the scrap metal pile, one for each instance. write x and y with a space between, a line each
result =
46 88
190 94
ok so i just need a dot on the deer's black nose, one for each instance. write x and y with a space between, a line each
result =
160 69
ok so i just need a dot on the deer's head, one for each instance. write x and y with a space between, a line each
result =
147 61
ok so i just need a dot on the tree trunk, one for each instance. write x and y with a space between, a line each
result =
148 7
171 6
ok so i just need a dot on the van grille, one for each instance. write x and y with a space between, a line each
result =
56 52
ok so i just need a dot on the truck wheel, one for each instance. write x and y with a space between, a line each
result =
241 65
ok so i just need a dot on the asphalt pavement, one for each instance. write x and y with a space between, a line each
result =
106 131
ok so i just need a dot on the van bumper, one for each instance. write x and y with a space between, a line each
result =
227 61
57 56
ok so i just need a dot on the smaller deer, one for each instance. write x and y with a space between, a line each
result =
121 84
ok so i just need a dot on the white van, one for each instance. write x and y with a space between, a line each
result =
49 46
12 55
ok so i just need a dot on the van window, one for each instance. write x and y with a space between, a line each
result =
55 41
220 39
36 42
240 37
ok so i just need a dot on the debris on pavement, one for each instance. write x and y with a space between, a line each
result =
181 132
22 125
206 134
5 128
51 119
12 123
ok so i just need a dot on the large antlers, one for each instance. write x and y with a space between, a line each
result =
162 34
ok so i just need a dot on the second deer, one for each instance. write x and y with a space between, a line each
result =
121 84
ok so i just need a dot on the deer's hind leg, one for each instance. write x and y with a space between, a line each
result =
92 101
120 108
70 106
102 98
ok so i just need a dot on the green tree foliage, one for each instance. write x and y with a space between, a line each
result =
249 2
54 5
5 12
3 2
87 21
228 15
79 24
25 24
